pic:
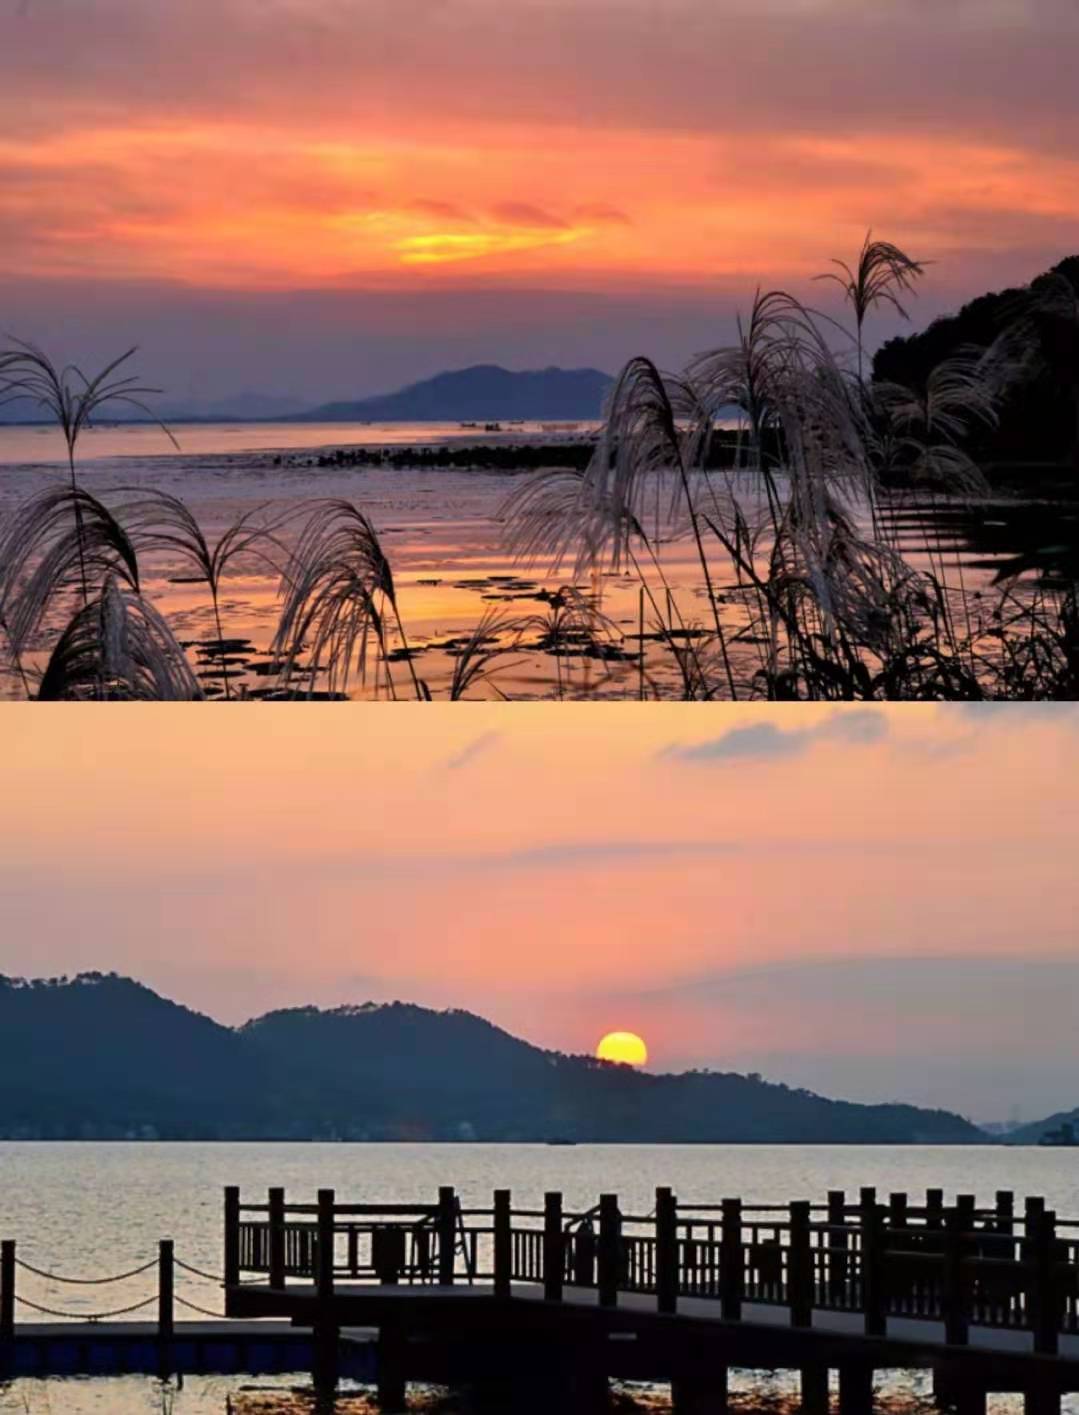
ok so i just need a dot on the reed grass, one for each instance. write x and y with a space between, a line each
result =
806 591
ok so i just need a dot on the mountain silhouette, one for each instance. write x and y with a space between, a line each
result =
1039 416
484 392
101 1056
1031 1134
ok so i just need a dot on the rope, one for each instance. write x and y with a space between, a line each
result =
86 1316
202 1311
85 1281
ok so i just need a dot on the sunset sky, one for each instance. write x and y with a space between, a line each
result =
874 903
326 197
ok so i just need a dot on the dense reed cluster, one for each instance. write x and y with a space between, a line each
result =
805 592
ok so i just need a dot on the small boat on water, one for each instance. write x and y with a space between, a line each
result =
560 1140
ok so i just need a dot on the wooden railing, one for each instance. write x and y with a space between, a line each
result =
958 1265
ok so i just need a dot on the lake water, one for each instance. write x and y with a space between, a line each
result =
443 531
109 443
93 1209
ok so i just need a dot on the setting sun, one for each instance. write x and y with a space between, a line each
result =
625 1047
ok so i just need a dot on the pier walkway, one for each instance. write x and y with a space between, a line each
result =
988 1298
540 1307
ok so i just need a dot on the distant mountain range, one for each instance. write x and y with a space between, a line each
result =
484 393
101 1056
1032 1134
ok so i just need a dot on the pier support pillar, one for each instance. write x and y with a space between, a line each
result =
855 1388
588 1390
391 1370
815 1390
953 1389
972 1400
325 1366
700 1390
1042 1398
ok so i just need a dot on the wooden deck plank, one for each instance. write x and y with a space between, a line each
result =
903 1333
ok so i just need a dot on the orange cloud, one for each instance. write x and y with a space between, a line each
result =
234 204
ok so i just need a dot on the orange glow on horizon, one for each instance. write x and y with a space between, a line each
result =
265 208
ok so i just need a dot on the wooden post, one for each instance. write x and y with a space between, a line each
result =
324 1251
392 1375
815 1390
895 1272
1005 1211
957 1387
956 1327
608 1257
972 1400
897 1211
1045 1304
699 1387
166 1286
1033 1210
800 1266
325 1369
855 1388
967 1204
666 1251
554 1248
503 1243
732 1269
232 1237
277 1237
447 1234
1042 1396
934 1209
7 1290
874 1303
838 1243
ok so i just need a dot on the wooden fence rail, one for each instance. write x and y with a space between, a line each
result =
962 1266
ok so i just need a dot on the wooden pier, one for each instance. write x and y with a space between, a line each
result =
986 1298
539 1308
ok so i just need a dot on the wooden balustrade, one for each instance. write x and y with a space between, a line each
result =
957 1265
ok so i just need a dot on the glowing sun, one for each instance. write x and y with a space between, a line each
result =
626 1047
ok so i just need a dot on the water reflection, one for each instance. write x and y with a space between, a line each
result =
751 1393
617 635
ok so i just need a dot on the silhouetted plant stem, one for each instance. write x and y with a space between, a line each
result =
707 579
221 642
420 697
78 525
640 641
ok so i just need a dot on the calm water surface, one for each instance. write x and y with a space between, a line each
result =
92 1209
29 445
443 533
89 1208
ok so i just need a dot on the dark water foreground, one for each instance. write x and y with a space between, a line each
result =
751 1393
1004 536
